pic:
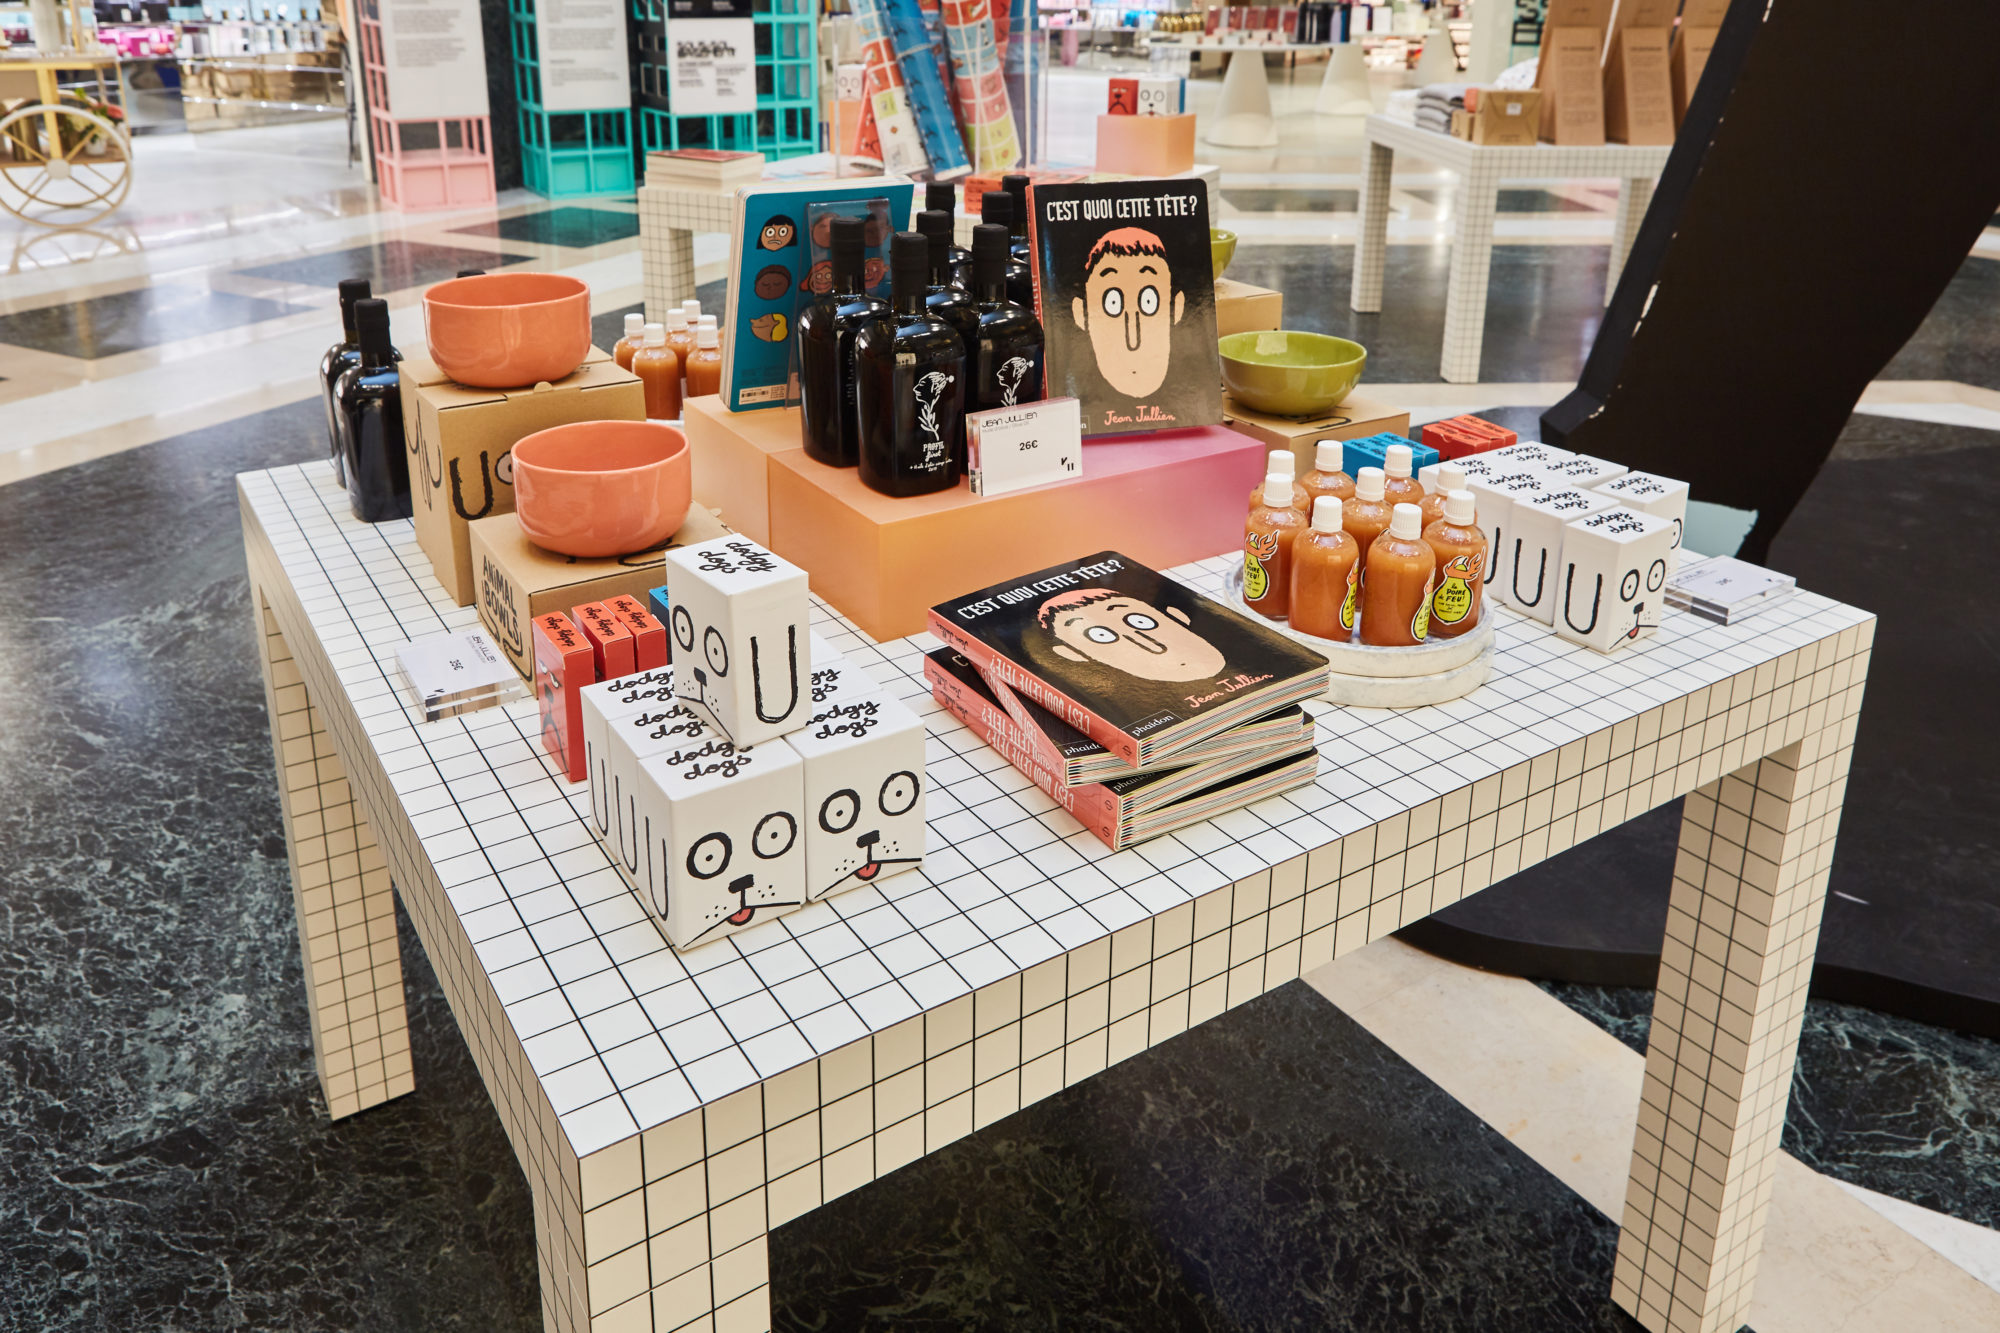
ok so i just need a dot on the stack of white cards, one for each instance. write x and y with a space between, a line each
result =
762 771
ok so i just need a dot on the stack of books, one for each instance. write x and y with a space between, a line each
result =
703 168
1137 703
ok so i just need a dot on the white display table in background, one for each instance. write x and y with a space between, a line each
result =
1480 170
670 1109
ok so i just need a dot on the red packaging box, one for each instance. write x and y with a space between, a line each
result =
1456 437
564 664
649 636
1122 97
612 651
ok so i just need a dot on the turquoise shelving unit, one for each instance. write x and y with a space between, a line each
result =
565 154
786 123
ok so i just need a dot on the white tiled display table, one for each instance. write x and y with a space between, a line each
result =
670 1110
1480 170
669 216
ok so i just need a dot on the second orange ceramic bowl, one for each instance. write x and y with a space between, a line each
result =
594 489
508 330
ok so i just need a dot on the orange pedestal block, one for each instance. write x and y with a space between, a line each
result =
730 457
1145 145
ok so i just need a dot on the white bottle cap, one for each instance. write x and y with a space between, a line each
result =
656 335
677 320
707 322
1327 513
1329 455
706 336
1396 461
1369 485
1283 464
1450 477
692 309
1459 508
1277 488
1406 521
634 325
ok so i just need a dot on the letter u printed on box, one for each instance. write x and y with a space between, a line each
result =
738 625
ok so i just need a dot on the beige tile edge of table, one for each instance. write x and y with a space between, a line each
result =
1480 169
665 1228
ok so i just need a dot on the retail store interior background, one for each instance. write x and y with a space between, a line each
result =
1355 1150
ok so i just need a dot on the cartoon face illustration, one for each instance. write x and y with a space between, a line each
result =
732 882
772 328
864 785
739 637
873 270
1129 307
777 232
1012 372
1121 100
772 282
1099 625
818 279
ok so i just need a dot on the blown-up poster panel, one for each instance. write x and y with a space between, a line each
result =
583 59
434 59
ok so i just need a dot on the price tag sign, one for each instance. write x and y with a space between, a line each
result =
1013 448
449 674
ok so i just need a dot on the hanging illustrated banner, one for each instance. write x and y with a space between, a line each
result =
434 57
583 59
713 67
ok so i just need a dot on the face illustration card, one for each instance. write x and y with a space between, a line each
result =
1126 291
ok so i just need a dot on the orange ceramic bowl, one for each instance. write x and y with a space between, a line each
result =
508 330
594 489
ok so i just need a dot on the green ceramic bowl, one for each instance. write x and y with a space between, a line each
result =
1291 374
1221 248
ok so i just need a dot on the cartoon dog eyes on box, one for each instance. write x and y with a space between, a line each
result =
1612 582
739 636
864 788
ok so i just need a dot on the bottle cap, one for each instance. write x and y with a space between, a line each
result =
941 195
909 262
1406 521
997 206
1368 484
706 335
677 320
1016 184
352 290
371 325
692 308
706 322
989 255
1450 477
1283 463
1277 491
847 238
935 226
634 325
1460 509
655 335
1329 455
1327 514
1396 461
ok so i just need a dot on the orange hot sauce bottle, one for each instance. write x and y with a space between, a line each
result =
1459 544
681 338
1282 464
1401 486
1450 477
1326 575
660 371
635 333
1267 549
704 367
1366 516
1402 574
1326 478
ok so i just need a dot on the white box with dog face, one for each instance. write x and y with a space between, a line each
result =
739 636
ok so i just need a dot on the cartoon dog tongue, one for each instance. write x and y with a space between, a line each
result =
742 884
866 842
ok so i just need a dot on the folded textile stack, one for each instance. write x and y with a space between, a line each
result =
1436 102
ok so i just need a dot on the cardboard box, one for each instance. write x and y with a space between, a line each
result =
1163 499
1242 308
1507 118
1145 145
518 580
459 440
1570 75
1638 85
1356 417
1461 125
732 454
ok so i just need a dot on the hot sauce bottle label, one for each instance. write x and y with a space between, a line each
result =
1352 600
1453 601
1420 623
1258 547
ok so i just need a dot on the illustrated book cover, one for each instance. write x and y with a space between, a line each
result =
1125 288
1141 663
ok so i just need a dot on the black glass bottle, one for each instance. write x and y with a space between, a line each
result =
942 197
947 300
1016 186
909 371
997 207
340 356
826 349
1007 349
370 404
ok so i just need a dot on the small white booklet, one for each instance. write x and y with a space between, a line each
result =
1725 589
449 674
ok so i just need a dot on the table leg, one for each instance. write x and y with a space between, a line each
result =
669 271
1371 252
340 886
1633 198
1749 882
1243 113
1471 265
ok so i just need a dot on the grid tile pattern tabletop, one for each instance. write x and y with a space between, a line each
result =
670 1109
1481 168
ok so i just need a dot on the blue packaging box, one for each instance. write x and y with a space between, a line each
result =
1368 451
